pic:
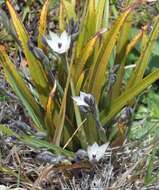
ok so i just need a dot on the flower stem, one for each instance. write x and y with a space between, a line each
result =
101 130
81 133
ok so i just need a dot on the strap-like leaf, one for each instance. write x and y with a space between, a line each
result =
70 10
121 58
128 95
37 72
39 144
43 23
20 88
143 61
86 52
49 113
7 131
98 77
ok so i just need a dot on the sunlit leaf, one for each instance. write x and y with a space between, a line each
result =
98 78
43 23
86 52
128 95
144 59
70 9
18 85
49 112
121 58
36 69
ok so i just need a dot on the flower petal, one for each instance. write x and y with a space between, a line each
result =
92 151
83 95
101 151
54 37
59 44
79 101
64 36
52 45
65 39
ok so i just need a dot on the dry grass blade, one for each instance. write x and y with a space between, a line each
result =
70 139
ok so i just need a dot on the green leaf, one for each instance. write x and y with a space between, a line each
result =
39 144
81 132
3 95
102 15
128 95
144 59
153 98
10 172
87 26
86 52
61 117
98 79
70 10
43 23
36 69
18 85
7 131
121 58
149 173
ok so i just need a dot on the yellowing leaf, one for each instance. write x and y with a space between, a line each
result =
100 68
134 41
43 23
61 17
120 59
36 69
61 118
79 83
100 14
70 11
49 114
86 52
88 25
20 88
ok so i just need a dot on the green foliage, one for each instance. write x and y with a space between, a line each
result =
100 47
3 95
149 173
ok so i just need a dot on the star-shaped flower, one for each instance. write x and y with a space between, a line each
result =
85 99
96 152
59 44
150 1
80 100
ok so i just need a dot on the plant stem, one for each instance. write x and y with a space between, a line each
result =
101 130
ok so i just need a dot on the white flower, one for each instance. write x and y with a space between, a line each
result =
59 44
150 1
80 100
96 152
2 187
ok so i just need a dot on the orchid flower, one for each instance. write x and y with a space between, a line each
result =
150 1
96 152
84 99
80 100
59 44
